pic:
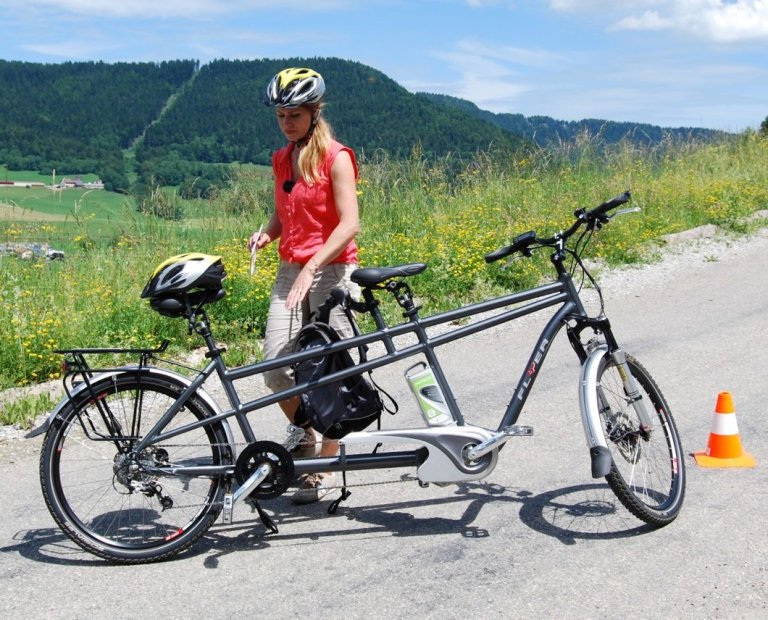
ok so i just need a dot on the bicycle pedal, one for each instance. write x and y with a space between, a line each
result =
519 431
295 435
226 513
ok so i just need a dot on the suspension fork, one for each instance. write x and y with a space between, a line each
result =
611 347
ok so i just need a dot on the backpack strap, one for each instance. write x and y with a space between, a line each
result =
363 349
393 408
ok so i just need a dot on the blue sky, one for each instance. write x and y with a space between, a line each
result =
700 63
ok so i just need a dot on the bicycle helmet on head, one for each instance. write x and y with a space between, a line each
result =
185 273
294 87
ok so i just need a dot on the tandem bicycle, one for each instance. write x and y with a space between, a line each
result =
139 461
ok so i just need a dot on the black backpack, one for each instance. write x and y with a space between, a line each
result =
336 409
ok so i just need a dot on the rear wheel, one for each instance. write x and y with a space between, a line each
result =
648 473
129 506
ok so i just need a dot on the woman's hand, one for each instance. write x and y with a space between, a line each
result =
302 285
258 240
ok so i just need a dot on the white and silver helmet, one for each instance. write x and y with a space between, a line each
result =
185 273
295 87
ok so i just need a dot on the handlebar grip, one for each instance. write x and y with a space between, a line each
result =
520 243
612 204
341 297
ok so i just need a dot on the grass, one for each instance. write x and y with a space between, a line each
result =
68 203
23 411
448 214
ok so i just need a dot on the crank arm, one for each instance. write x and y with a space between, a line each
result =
255 479
497 440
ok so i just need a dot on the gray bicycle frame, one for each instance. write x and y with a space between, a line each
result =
560 292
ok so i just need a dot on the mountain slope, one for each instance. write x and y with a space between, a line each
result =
77 116
83 117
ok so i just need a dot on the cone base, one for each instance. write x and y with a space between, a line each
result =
705 460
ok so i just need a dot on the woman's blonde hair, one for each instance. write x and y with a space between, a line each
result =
312 155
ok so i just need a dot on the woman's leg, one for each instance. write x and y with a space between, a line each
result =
281 329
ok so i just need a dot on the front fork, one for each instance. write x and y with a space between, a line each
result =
591 399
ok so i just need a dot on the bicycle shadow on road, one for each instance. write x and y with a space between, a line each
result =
569 514
50 546
581 512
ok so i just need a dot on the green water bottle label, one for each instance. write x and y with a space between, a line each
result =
428 395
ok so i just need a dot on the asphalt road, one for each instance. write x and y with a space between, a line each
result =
538 539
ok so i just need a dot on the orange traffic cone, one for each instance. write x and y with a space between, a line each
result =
724 447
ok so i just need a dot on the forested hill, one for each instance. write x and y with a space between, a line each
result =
221 118
79 117
546 131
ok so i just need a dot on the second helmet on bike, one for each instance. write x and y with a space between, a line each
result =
185 273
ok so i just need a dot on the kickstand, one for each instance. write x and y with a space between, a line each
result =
344 495
265 518
335 503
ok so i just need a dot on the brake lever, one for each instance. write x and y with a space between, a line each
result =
625 211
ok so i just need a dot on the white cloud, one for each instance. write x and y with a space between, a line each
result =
715 20
152 9
125 9
471 52
737 21
650 20
492 76
70 50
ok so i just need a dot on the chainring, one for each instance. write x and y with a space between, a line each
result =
281 466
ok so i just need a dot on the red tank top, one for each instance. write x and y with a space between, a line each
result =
308 212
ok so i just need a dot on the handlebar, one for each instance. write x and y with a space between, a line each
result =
610 204
519 244
593 218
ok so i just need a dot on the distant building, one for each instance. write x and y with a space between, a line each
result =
21 184
65 184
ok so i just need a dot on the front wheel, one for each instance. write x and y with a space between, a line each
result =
648 473
120 504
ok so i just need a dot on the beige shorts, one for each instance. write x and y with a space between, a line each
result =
284 324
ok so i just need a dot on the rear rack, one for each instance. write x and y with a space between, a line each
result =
76 365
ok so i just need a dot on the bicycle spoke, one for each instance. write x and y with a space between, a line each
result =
647 473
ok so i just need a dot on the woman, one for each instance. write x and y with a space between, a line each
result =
316 221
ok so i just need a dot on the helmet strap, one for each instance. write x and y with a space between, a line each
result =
302 142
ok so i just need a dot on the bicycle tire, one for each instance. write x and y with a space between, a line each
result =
648 473
107 504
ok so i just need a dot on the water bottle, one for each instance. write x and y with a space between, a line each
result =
428 394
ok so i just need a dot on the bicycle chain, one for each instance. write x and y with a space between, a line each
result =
404 478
